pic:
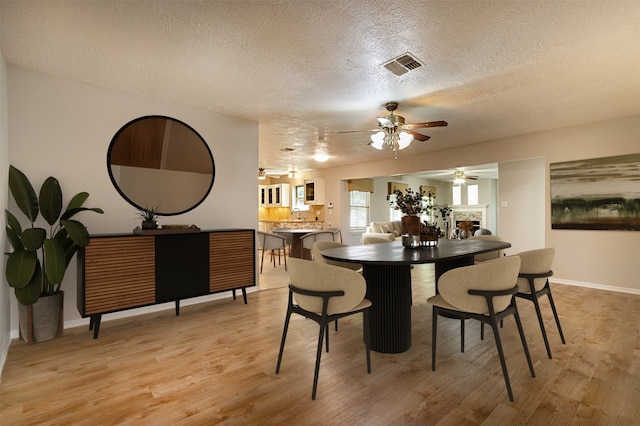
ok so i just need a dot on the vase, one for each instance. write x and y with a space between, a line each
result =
411 225
429 240
43 320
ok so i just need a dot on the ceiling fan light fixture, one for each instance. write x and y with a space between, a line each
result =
377 140
321 157
458 177
404 140
262 175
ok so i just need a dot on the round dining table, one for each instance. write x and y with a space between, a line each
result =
387 269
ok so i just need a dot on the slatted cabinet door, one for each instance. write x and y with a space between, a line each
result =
119 273
231 260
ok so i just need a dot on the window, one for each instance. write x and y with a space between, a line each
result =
393 213
457 195
358 210
472 194
298 198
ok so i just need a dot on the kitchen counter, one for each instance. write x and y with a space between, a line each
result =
268 225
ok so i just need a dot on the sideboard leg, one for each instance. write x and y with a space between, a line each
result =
177 307
244 295
96 324
91 320
233 292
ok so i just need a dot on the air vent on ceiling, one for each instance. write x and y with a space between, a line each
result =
403 64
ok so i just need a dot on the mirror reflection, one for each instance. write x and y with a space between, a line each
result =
161 163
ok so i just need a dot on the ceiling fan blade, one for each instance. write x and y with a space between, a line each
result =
471 177
419 136
425 125
357 131
384 122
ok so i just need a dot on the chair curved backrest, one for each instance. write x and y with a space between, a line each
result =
318 276
288 236
499 274
270 241
483 257
375 240
320 246
308 240
535 262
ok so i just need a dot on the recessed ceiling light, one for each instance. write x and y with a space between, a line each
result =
321 157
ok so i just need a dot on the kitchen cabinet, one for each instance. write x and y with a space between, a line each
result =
314 191
278 195
262 195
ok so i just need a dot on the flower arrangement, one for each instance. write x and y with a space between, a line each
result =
466 225
409 202
427 228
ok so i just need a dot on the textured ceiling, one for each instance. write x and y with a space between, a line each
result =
308 69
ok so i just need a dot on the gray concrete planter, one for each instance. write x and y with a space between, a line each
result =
43 320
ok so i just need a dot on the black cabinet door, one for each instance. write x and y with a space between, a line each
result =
182 266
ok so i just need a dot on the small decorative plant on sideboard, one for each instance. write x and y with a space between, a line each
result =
40 257
149 218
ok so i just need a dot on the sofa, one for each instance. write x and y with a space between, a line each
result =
386 230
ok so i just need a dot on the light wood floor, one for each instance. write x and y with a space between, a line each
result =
214 364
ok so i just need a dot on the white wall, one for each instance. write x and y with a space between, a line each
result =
63 128
605 259
5 294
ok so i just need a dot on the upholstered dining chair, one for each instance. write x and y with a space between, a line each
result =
485 292
322 245
325 293
273 243
533 283
483 257
308 240
337 234
375 240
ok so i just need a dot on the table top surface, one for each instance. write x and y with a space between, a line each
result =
297 231
395 253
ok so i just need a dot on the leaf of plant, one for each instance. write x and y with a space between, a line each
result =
13 222
23 193
77 231
78 200
51 200
72 212
54 261
32 238
29 294
14 239
21 266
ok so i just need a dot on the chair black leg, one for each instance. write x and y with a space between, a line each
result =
284 337
534 299
323 327
461 334
481 331
503 363
327 338
524 341
434 332
555 315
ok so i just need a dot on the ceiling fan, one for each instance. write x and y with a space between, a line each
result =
395 133
459 177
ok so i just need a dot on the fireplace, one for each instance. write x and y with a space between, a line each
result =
476 214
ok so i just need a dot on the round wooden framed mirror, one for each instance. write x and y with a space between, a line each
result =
160 163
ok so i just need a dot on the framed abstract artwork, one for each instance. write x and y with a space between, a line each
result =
596 194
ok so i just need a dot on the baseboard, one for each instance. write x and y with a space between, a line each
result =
84 322
596 286
4 351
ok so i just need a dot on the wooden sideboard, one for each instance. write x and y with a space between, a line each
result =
118 272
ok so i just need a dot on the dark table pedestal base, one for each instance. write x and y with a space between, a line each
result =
389 290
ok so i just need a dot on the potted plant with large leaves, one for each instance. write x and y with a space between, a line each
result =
40 257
